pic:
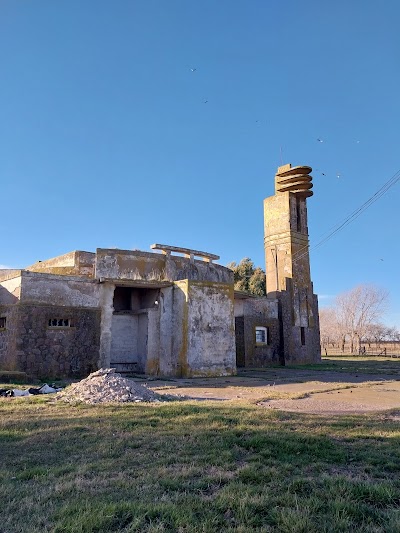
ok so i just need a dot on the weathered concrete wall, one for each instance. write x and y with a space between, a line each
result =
129 265
44 351
196 326
179 330
76 263
8 337
10 290
178 268
30 345
124 339
150 341
7 273
167 364
295 352
261 312
210 330
43 288
107 309
134 265
142 340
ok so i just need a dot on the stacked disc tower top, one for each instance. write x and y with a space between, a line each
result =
296 180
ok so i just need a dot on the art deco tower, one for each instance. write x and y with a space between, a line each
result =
288 265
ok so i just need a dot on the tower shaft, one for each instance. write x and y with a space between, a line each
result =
287 261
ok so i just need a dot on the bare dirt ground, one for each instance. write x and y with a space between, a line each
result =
345 385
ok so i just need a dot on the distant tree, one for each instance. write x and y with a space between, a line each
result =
393 334
355 317
358 309
329 327
377 333
247 277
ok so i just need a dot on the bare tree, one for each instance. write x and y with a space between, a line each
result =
357 309
376 333
328 326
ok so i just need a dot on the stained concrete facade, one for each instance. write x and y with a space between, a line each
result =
165 314
251 314
287 261
156 313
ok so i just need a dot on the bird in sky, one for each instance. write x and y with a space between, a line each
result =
193 69
320 140
338 175
205 102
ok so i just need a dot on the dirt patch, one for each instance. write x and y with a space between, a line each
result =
298 390
376 397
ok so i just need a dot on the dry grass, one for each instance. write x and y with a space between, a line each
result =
194 467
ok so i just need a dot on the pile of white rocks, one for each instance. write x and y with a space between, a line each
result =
106 385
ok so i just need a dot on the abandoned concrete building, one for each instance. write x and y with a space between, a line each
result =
171 312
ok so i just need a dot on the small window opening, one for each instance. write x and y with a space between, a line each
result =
298 214
303 336
262 335
60 323
3 321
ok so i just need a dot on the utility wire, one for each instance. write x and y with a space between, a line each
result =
350 218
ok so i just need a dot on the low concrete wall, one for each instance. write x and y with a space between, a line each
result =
76 263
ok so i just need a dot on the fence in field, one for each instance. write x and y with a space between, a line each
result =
381 349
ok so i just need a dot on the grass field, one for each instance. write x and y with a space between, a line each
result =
195 467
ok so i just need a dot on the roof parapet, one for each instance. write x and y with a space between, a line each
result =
188 252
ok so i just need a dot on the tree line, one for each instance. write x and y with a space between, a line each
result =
355 320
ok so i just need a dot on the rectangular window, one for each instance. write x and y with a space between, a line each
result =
262 335
3 322
298 214
303 336
59 323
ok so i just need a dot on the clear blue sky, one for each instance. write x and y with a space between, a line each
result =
106 139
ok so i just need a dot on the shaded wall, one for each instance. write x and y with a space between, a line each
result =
250 313
8 337
44 351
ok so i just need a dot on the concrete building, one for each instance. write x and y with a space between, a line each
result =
172 312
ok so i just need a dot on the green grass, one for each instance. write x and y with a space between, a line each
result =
365 365
194 467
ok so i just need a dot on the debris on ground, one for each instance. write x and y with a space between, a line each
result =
106 385
32 391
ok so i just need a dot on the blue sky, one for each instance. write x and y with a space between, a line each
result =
108 139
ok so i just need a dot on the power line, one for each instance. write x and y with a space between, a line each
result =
350 218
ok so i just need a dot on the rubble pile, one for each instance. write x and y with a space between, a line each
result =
106 385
